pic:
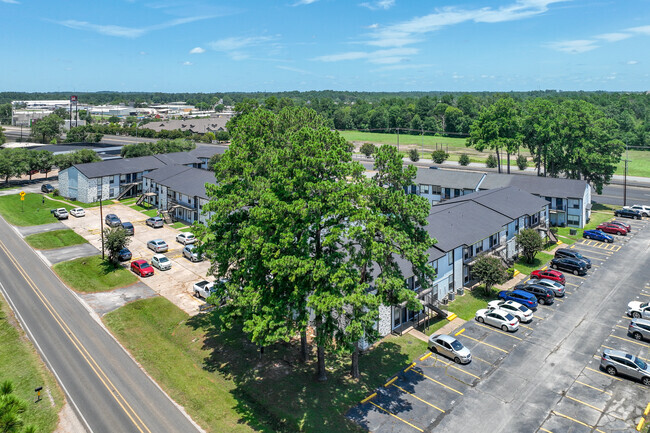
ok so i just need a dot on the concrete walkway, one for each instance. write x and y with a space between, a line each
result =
58 255
30 230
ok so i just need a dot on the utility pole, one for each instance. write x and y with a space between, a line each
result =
398 140
101 224
625 178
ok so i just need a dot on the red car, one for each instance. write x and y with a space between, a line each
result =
621 224
613 229
142 268
549 274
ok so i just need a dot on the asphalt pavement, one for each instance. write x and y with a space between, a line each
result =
58 255
107 389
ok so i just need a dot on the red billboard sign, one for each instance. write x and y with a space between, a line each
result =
73 98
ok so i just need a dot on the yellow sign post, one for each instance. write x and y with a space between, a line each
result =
22 200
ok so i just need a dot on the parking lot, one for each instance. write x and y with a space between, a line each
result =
543 377
174 284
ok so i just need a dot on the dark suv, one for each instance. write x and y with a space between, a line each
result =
628 213
565 252
543 294
568 264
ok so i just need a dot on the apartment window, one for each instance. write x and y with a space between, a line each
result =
436 189
478 247
434 264
450 258
573 220
516 225
456 193
447 193
494 240
425 189
574 204
450 285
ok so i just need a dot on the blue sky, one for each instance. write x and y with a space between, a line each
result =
366 45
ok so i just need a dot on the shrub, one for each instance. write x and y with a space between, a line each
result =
491 161
522 162
464 160
368 149
439 156
56 193
414 155
511 273
554 230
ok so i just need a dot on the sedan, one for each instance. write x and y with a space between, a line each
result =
524 298
614 229
638 310
498 318
124 255
142 268
161 262
597 235
626 226
549 274
628 213
78 212
157 245
190 254
521 312
155 222
450 347
556 288
639 329
578 267
186 238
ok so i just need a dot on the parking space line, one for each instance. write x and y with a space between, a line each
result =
579 422
604 374
644 294
418 398
497 330
482 360
539 318
630 341
543 429
593 387
558 299
439 383
449 364
622 327
578 276
571 284
489 345
608 254
524 326
393 415
593 407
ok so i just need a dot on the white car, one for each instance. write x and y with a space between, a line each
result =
185 238
521 312
450 347
498 318
78 212
645 210
639 310
161 262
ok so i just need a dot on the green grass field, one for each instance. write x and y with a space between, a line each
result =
427 141
54 239
31 211
638 164
191 360
91 274
526 268
74 203
21 364
605 213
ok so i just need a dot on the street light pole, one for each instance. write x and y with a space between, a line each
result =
101 222
625 179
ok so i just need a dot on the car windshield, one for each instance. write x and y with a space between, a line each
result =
163 260
645 305
639 363
456 345
578 255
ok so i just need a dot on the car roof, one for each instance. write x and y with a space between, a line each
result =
126 223
524 293
444 337
619 353
159 256
155 218
157 240
140 261
641 321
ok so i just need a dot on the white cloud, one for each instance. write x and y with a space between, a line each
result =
381 57
574 47
372 26
236 43
304 2
289 68
614 37
378 5
632 62
12 2
126 32
197 50
643 30
187 63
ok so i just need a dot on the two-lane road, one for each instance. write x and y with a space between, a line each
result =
105 386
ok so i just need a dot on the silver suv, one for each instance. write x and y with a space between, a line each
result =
616 362
639 329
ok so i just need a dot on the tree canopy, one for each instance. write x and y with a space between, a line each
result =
47 128
160 146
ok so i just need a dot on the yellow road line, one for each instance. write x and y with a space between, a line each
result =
101 375
578 276
622 327
489 345
538 318
543 429
575 420
631 341
418 398
593 387
644 294
524 326
393 415
592 406
558 299
497 330
604 374
449 364
459 332
439 383
482 360
571 284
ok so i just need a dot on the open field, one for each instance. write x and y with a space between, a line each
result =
31 212
91 274
54 239
191 359
638 165
21 364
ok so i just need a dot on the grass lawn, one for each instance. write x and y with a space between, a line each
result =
91 274
526 268
429 141
31 211
75 203
186 229
21 364
128 201
151 213
54 239
191 359
597 217
638 164
465 306
178 225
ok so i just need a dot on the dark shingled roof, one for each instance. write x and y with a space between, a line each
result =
185 180
510 201
449 178
208 150
542 186
119 166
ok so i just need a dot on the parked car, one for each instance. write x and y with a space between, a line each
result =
549 274
142 268
597 235
124 255
157 245
639 329
614 229
556 288
203 289
521 312
498 318
155 222
189 253
568 264
638 309
185 238
543 294
161 262
448 346
78 212
566 252
616 362
523 298
60 213
47 188
626 226
643 210
628 213
128 228
112 220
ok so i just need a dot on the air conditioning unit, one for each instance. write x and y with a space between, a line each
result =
445 301
451 296
461 291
